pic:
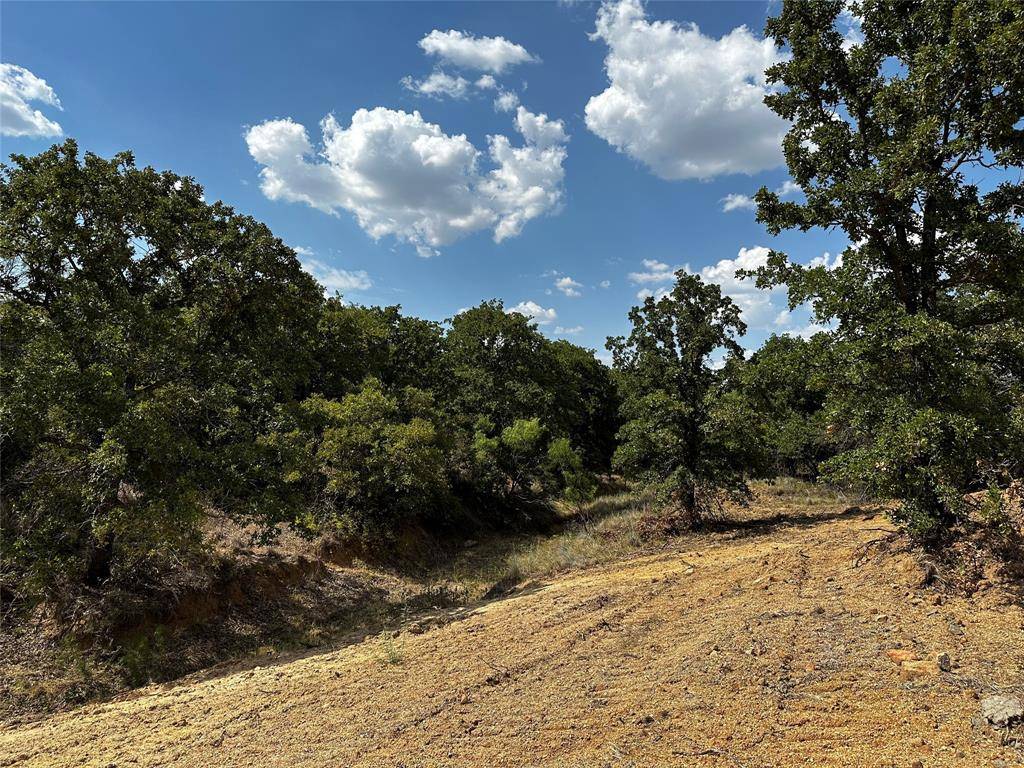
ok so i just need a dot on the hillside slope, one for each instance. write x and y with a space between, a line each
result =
763 646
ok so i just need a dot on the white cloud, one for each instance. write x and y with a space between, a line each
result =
657 295
827 261
850 27
486 83
736 202
535 312
487 54
506 101
788 187
685 104
332 278
539 130
758 306
654 272
19 87
568 331
438 85
568 286
402 176
605 283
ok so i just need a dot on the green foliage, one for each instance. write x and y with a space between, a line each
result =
579 486
784 385
677 431
375 461
924 377
146 337
510 464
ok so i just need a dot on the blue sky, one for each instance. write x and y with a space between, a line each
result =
614 170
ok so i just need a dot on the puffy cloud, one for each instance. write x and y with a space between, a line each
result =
568 286
736 202
402 176
654 272
757 305
788 187
559 330
605 283
334 279
535 312
486 83
685 104
539 130
849 25
827 261
487 54
438 85
506 101
657 295
19 87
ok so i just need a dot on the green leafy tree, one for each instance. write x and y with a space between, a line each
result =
677 430
498 366
890 139
369 463
510 462
577 484
784 383
147 336
355 342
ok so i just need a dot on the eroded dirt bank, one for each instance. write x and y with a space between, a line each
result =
766 647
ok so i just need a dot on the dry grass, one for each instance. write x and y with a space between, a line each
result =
763 641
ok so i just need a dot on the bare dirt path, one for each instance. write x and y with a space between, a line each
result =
763 648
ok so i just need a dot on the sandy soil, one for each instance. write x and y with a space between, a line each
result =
766 646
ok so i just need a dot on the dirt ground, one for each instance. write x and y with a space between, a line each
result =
764 645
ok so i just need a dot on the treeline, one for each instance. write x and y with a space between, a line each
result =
163 357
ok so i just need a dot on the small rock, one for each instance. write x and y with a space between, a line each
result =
944 662
900 655
1002 711
469 543
917 764
881 617
913 670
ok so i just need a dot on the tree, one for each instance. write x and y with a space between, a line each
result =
355 342
368 463
677 430
147 336
890 142
498 366
784 383
586 403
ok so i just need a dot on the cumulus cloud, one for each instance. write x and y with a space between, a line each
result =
568 286
657 295
334 279
486 54
438 85
559 330
736 202
535 312
506 101
605 283
18 89
654 272
687 105
757 305
486 83
402 176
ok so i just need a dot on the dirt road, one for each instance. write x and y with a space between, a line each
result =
767 647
